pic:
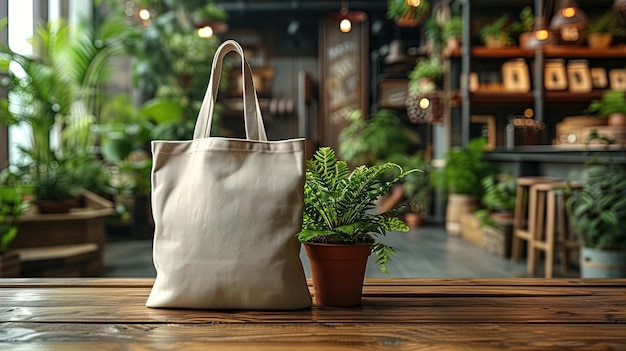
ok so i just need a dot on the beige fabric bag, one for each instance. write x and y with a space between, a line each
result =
227 212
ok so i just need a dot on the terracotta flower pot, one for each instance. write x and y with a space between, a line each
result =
338 272
599 40
617 119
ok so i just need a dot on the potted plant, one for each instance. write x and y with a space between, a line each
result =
598 216
461 178
375 140
613 106
600 30
524 26
433 32
407 13
425 75
59 91
499 195
452 32
497 33
339 230
11 195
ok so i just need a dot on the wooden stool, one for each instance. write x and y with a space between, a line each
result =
550 199
525 213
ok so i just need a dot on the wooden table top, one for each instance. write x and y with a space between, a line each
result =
396 314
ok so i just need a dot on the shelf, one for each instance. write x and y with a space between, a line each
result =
550 52
576 98
506 52
584 52
500 98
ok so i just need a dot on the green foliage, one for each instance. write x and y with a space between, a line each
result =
433 32
499 29
430 68
464 170
598 210
11 208
417 185
374 140
338 204
499 192
607 23
525 23
613 101
453 28
60 89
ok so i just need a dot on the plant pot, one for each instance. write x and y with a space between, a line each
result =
602 263
413 220
524 38
617 119
338 272
458 205
599 40
495 42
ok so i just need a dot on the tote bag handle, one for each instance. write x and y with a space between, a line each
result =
255 130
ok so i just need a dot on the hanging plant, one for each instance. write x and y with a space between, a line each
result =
406 15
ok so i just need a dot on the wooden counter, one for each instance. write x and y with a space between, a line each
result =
397 314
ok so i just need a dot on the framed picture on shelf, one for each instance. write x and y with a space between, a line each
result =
484 126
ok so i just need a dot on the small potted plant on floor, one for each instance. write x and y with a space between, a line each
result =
461 178
598 215
340 229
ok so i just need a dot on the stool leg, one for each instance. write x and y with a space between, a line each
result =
562 234
534 205
551 211
518 219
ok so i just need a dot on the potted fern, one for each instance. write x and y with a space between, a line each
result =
340 230
613 106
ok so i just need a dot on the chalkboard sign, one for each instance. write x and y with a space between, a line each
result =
343 78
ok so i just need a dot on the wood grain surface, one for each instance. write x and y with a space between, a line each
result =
396 314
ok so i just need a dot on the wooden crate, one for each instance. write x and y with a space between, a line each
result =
81 226
471 229
498 240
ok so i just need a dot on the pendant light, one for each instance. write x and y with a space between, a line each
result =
541 35
347 18
569 22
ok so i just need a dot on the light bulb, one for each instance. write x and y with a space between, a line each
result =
205 32
414 3
144 14
542 34
568 12
345 25
424 103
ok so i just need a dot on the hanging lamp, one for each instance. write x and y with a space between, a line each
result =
347 18
569 22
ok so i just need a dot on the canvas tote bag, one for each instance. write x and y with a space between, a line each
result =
227 212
